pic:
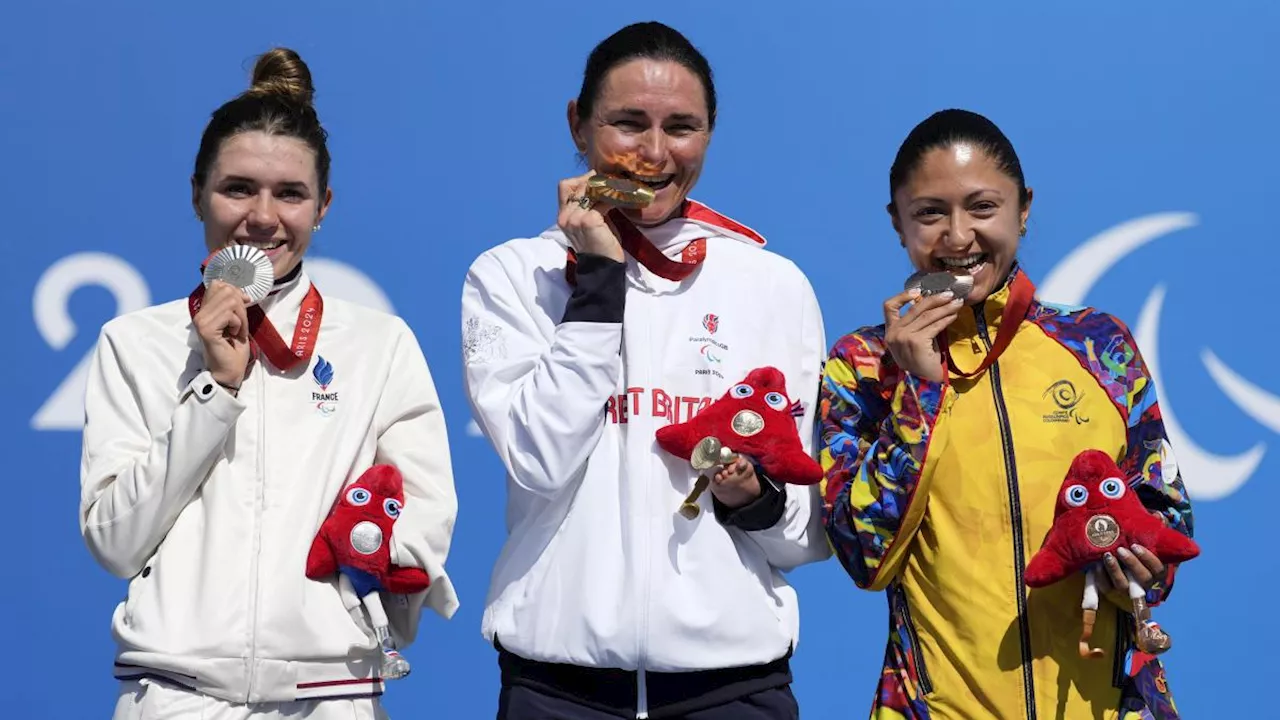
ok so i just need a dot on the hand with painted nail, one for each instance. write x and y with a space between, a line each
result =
912 336
1135 561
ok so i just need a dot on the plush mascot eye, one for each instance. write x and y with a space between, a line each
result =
1076 495
743 390
776 400
392 507
358 496
1113 488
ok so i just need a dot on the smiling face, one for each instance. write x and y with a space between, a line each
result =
262 190
959 212
649 123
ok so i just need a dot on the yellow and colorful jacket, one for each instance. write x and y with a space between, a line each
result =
940 493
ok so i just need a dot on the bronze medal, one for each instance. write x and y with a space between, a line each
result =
1102 530
932 283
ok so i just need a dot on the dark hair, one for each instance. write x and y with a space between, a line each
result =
946 128
650 40
278 102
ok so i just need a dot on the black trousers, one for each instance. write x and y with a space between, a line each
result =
533 690
523 703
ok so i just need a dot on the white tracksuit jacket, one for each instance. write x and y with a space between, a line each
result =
208 502
598 569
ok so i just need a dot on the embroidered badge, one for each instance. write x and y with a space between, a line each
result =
1066 398
482 342
711 350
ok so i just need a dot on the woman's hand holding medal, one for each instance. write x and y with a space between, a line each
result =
736 484
584 222
912 337
223 326
1133 562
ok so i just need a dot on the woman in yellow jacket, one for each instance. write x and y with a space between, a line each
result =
946 434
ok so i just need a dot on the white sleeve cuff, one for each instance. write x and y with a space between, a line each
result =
225 406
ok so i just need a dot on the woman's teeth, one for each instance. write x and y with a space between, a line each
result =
263 246
967 262
657 182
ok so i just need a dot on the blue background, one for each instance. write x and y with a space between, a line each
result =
448 134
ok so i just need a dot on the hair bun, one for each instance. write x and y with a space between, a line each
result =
281 71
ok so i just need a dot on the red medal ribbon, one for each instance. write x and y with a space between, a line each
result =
647 254
264 337
635 244
1021 292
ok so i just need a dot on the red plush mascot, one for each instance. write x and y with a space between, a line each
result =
756 419
1098 513
355 542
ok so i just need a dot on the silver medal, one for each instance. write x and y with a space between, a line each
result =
932 283
242 266
366 538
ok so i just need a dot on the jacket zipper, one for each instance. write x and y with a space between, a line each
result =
1124 625
642 690
1015 511
926 683
258 502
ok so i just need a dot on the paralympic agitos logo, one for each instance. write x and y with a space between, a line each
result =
1208 475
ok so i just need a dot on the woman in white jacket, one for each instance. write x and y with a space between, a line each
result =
218 436
581 342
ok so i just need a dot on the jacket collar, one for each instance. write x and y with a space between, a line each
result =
285 300
991 310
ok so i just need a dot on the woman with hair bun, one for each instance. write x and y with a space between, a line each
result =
221 429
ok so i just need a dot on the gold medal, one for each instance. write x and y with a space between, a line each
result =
689 508
747 423
619 192
708 453
1102 530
